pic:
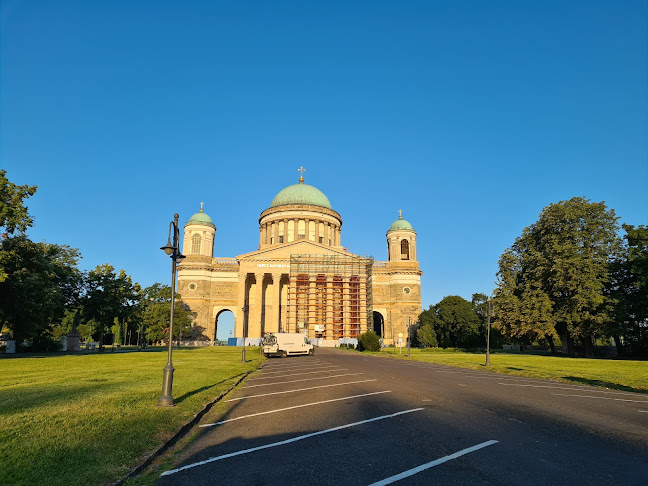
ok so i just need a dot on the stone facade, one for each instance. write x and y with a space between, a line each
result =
258 289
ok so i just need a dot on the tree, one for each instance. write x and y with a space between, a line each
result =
109 296
13 213
552 281
369 341
454 321
629 290
41 279
426 337
156 305
14 216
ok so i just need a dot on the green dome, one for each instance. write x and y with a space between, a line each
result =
400 225
301 194
201 218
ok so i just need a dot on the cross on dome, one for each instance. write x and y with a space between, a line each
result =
201 207
301 177
400 214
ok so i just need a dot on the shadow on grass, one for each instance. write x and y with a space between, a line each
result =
515 369
207 387
607 384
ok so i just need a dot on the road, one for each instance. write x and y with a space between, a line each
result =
341 417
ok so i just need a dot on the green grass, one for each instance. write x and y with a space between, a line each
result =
626 375
89 419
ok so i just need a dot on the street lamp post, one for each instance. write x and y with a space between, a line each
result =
488 334
173 250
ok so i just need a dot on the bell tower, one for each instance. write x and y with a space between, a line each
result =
401 240
199 234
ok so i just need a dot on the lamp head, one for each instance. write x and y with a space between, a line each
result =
168 248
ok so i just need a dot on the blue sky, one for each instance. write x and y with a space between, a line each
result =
469 116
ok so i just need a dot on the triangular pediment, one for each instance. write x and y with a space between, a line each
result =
299 247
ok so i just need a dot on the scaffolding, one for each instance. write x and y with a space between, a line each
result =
330 296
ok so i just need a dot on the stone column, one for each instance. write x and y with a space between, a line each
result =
276 232
317 234
276 303
306 229
346 319
338 233
329 308
285 235
241 309
327 233
310 312
263 235
258 313
296 232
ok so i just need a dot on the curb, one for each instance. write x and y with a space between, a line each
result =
178 435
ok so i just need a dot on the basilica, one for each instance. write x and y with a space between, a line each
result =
301 278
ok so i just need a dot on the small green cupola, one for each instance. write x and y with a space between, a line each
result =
400 224
201 218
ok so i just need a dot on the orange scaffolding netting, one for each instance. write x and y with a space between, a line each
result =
330 296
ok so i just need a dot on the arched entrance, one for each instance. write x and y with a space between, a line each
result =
378 323
224 325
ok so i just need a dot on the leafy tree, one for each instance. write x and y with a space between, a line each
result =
454 322
369 341
426 337
13 213
552 281
629 290
40 280
156 304
109 296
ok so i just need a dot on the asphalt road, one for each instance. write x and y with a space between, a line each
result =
341 417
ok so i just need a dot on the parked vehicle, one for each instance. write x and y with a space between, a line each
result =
284 343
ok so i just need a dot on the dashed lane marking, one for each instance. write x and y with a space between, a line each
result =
288 441
298 369
600 398
423 467
298 390
296 374
589 389
296 406
303 379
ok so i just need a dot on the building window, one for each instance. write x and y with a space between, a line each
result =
192 286
404 250
321 239
301 229
281 239
195 244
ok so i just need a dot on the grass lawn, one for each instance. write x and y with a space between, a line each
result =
88 419
626 375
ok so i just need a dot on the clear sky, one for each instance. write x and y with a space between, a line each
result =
470 116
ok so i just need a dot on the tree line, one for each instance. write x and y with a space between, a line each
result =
572 279
44 295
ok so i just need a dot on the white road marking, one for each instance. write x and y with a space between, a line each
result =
423 467
299 369
288 441
461 384
643 411
296 406
300 389
590 389
600 398
296 374
303 379
487 376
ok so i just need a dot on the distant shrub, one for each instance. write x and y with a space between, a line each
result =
369 341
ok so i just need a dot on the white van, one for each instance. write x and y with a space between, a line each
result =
284 343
